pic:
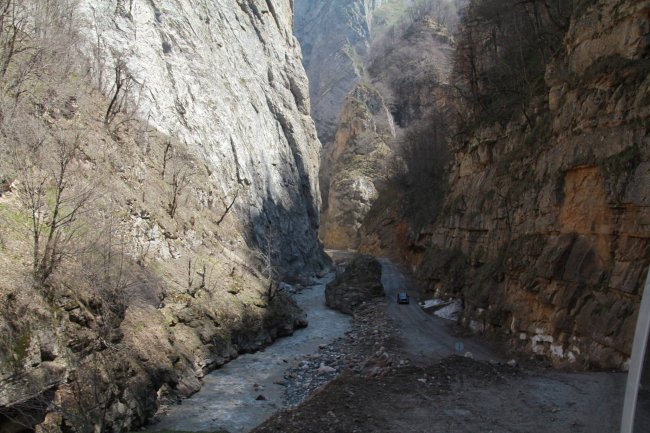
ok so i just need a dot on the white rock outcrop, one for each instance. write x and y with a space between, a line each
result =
226 78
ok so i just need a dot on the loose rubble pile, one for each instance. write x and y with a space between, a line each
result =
457 394
364 351
360 282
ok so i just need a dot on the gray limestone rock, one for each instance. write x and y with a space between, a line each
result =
227 79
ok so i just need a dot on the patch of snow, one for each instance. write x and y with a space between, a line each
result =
540 338
451 311
323 369
538 348
624 367
557 350
475 326
522 336
430 303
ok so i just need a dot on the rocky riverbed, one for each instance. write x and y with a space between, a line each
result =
251 388
366 349
398 370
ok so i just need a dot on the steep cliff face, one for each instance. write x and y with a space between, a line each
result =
382 124
359 161
227 80
544 232
335 38
144 228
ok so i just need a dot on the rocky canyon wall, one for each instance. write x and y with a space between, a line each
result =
225 78
545 230
369 64
335 38
177 135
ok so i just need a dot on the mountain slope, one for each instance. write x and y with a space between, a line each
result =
159 180
227 80
543 232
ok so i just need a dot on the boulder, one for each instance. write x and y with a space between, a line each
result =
360 282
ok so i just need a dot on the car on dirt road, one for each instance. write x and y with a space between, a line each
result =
402 298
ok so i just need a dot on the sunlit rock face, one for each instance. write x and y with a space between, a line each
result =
226 78
359 160
335 37
399 74
182 290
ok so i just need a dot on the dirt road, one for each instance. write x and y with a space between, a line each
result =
424 337
452 394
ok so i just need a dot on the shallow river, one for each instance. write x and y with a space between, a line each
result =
228 399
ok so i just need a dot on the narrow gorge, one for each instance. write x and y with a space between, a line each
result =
508 168
183 183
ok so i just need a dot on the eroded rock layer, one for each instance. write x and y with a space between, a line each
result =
359 162
545 231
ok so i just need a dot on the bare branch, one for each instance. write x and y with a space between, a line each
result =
228 208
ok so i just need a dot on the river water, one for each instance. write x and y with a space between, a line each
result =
229 396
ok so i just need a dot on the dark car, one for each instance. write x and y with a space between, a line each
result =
402 298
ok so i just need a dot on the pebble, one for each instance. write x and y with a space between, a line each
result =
326 369
365 340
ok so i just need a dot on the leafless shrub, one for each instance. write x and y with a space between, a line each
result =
267 255
502 52
207 275
181 173
228 206
80 405
121 89
52 194
168 154
38 39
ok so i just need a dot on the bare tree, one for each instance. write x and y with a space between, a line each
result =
97 54
167 155
81 404
13 34
502 52
120 90
53 198
228 207
181 175
37 37
267 255
206 276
